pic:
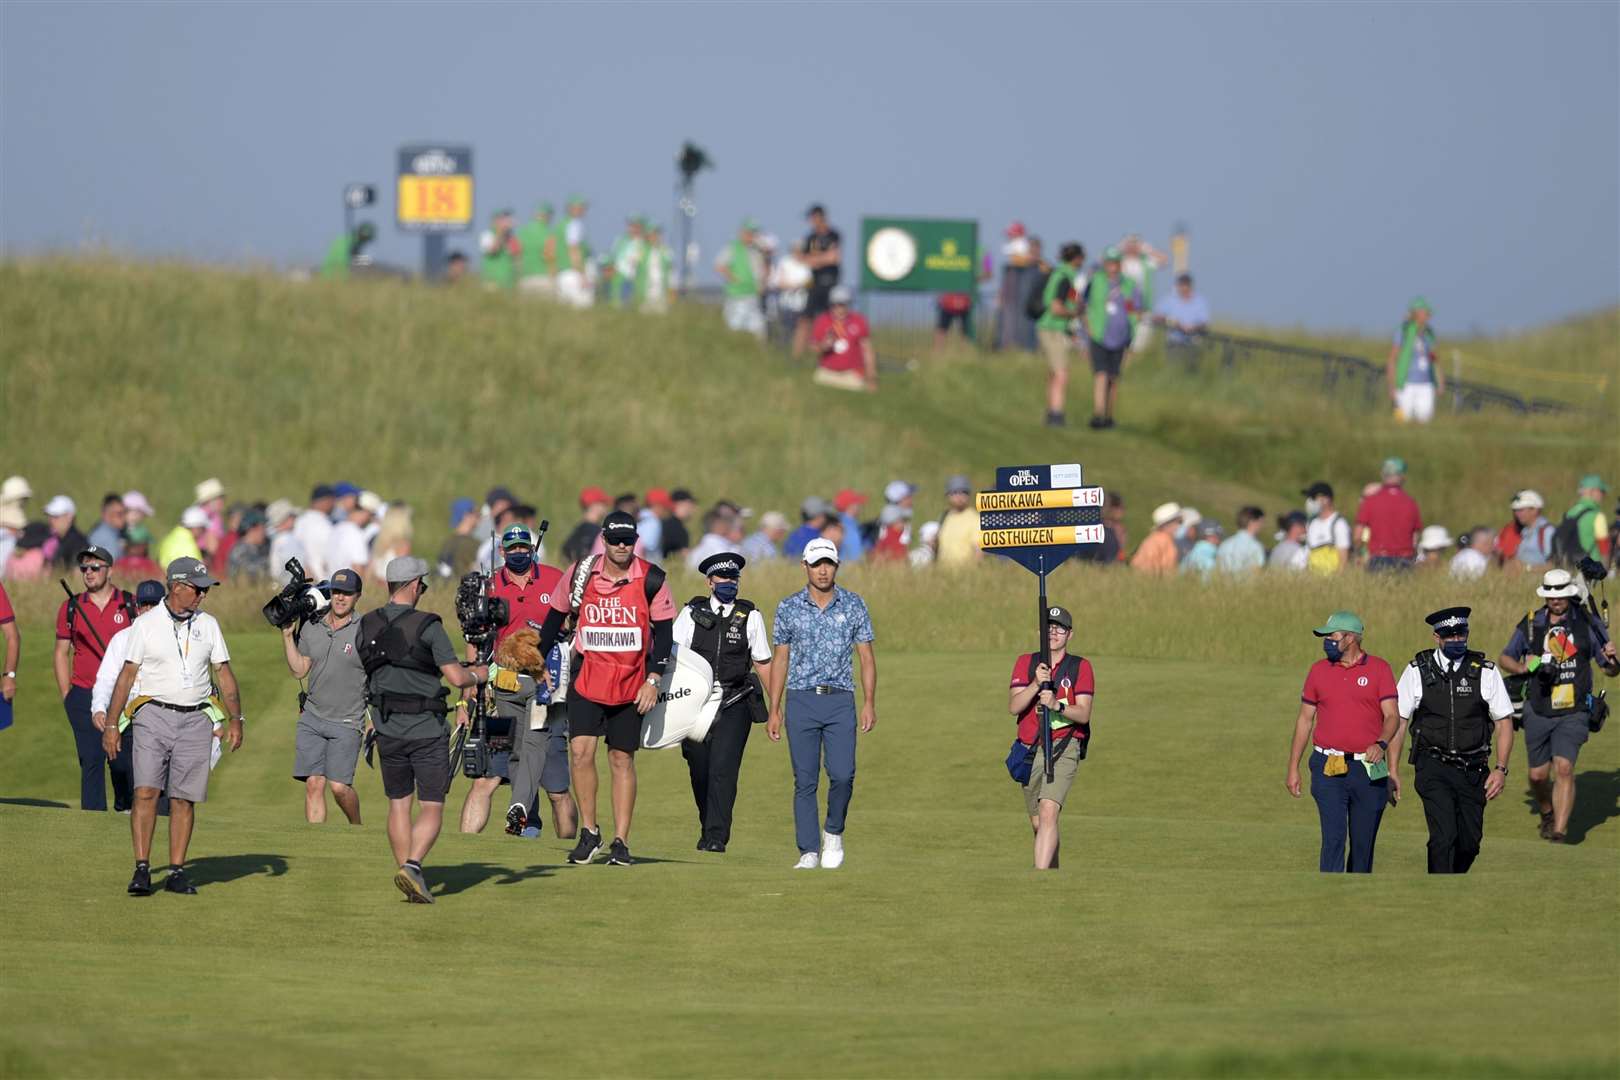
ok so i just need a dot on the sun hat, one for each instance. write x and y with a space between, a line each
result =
1556 583
1527 500
1165 513
1435 538
209 490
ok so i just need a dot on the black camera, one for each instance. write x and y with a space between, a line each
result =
479 614
1592 570
298 601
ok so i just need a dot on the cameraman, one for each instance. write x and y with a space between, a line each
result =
332 708
1556 646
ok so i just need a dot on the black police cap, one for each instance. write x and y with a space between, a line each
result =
1449 621
724 564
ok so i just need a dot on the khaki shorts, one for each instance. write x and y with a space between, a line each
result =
1063 774
171 751
1057 347
840 380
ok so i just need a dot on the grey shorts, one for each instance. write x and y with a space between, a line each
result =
324 748
1547 737
1064 771
171 751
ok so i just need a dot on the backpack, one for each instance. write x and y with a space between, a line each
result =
1566 549
1035 300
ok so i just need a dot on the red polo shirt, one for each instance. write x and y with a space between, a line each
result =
1393 521
6 614
1064 689
526 602
1348 700
107 621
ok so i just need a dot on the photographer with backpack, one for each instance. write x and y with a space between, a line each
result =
1060 686
1584 532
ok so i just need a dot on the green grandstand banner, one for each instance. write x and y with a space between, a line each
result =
919 255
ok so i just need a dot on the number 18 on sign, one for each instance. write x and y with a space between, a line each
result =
1038 516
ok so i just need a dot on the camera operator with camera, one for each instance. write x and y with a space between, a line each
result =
405 651
1556 647
320 644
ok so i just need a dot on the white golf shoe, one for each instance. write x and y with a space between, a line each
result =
808 861
832 851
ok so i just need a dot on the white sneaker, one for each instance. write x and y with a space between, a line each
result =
808 861
832 851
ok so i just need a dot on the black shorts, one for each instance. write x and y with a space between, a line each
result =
944 319
1106 361
422 765
819 300
619 724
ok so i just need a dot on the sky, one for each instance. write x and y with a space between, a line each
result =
1329 160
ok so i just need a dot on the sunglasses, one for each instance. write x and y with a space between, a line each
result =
92 568
610 542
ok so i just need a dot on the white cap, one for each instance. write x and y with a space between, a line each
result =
208 490
818 549
60 506
1556 583
15 489
1435 538
1189 516
370 501
278 512
1166 512
897 490
134 500
194 517
1527 500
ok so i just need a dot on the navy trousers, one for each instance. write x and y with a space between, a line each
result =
820 725
92 758
1349 804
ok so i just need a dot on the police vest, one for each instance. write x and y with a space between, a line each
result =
1451 715
1565 685
722 640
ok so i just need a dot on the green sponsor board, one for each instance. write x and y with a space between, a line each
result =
919 254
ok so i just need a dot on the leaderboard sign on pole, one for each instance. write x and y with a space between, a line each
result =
919 255
434 196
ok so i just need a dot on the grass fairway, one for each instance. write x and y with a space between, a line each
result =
1187 933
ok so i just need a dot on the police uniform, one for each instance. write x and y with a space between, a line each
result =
731 637
1452 705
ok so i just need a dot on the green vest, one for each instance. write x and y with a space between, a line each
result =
1097 306
532 258
1058 282
561 260
498 269
336 264
666 260
1403 360
741 265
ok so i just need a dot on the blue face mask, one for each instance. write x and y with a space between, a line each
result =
1331 648
519 561
1454 650
725 592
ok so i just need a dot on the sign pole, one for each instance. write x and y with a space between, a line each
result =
1043 655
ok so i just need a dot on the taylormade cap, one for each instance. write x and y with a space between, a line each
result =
619 527
820 550
1341 621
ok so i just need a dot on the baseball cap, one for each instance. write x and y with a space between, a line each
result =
1060 616
253 516
499 493
343 489
1320 488
814 506
1419 304
1016 229
1592 480
543 207
1166 512
322 491
1111 254
516 535
404 568
590 495
95 551
1346 621
60 506
15 489
618 526
194 517
958 485
1293 517
847 499
1393 466
149 592
820 550
682 495
188 571
657 497
750 225
460 508
347 581
1527 500
723 564
134 500
895 490
840 294
370 501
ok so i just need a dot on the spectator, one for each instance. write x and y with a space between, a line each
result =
12 523
494 516
343 252
832 530
1413 376
108 535
822 252
67 542
742 269
393 540
534 275
1242 552
650 523
676 537
348 546
136 508
345 496
136 563
461 547
184 541
952 309
499 247
314 529
1117 541
927 549
1591 527
1201 557
219 561
1157 555
1112 304
250 555
813 513
1185 315
1139 260
766 543
894 533
1327 533
280 516
1290 552
1052 328
1432 545
568 245
624 260
845 504
28 562
654 283
1389 520
958 542
1021 268
594 506
209 496
1532 533
455 268
789 286
719 526
844 340
1474 559
1186 536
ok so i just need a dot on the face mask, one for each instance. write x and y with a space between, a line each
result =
1313 507
725 592
1331 648
1454 650
519 561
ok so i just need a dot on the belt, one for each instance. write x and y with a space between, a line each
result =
1477 757
830 690
199 707
1345 753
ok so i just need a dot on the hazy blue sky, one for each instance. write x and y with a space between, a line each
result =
1331 160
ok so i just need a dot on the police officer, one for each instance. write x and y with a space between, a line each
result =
1450 697
1556 647
728 632
405 651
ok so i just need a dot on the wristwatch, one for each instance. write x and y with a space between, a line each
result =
1062 708
1503 768
8 674
652 680
1382 745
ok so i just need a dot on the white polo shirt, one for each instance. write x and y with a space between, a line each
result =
174 657
759 646
347 547
1409 688
1323 531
